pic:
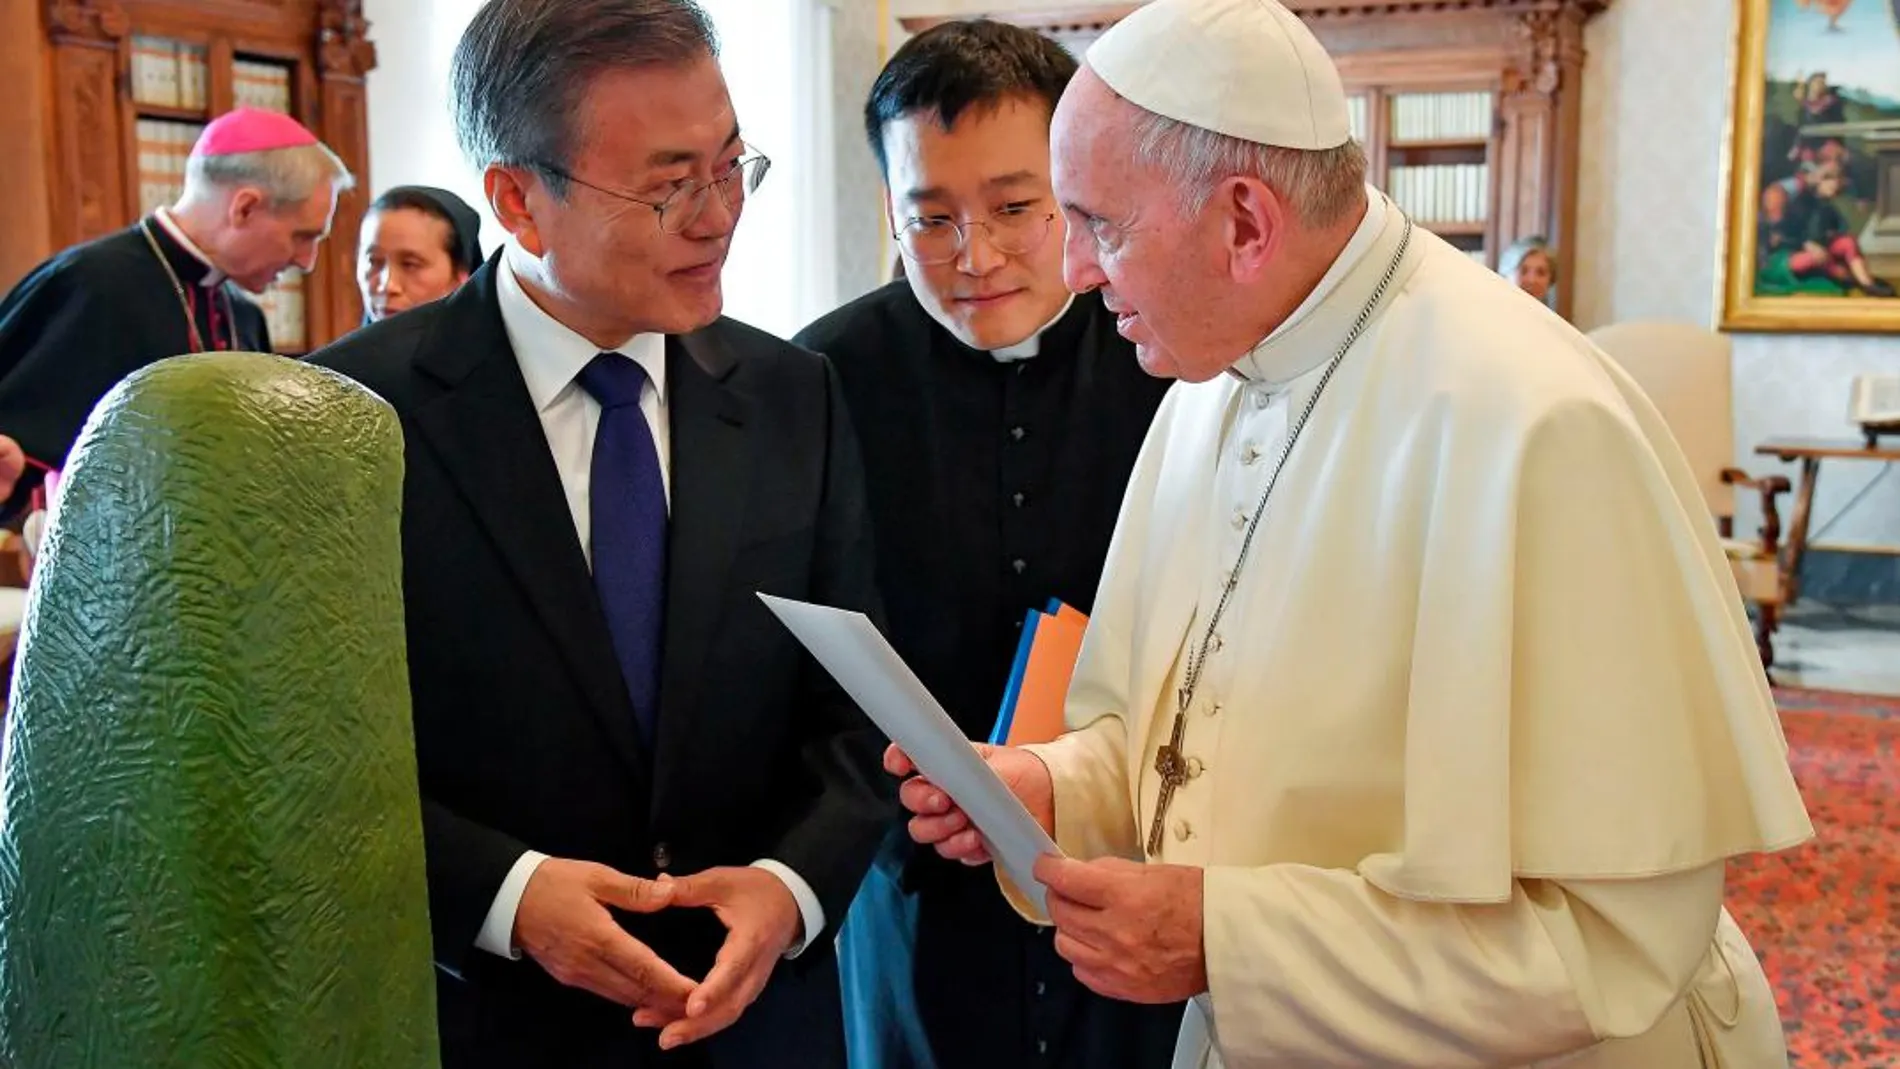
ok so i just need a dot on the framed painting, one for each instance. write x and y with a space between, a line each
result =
1813 234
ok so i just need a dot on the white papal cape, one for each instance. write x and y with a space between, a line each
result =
1483 718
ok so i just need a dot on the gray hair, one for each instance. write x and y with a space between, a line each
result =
1322 186
522 67
286 176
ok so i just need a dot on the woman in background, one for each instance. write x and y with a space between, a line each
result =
1528 264
418 243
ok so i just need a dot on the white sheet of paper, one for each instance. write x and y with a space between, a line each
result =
856 655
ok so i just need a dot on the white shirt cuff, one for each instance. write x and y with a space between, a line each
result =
498 931
808 907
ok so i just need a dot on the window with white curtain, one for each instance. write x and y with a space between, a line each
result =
776 54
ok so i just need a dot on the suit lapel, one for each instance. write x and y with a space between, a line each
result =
710 473
484 431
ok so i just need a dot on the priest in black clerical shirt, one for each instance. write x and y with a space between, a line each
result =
1000 417
259 194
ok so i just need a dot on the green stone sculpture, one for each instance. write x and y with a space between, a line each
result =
211 846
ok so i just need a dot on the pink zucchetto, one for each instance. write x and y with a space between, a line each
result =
251 130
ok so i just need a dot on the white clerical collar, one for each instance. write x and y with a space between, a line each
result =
213 276
1250 367
1031 345
550 353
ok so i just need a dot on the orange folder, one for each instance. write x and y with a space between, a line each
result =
1033 702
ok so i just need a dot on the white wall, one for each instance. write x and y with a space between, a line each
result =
1655 131
782 270
902 8
411 141
859 45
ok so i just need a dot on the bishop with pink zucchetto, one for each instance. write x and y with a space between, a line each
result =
260 191
248 130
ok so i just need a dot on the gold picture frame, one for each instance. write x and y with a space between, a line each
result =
1813 212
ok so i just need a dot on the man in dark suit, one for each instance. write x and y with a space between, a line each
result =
634 777
1000 417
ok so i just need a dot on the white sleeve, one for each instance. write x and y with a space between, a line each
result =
809 907
1319 968
498 930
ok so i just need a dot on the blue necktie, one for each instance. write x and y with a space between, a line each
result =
627 499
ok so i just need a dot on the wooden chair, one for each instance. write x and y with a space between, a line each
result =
1685 370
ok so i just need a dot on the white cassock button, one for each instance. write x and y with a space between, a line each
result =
1261 398
1195 768
1240 519
1182 831
1214 644
1249 454
1211 708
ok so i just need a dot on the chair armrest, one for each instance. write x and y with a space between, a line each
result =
1770 487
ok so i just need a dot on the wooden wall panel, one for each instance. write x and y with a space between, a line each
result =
89 197
343 118
26 220
345 56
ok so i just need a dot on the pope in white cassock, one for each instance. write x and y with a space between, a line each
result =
1418 713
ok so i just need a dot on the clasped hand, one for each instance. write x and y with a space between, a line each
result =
1132 931
564 925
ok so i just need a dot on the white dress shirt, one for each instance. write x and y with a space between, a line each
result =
552 357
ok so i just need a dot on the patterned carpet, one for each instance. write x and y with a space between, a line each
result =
1826 917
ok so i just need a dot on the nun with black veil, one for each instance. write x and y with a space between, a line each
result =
418 243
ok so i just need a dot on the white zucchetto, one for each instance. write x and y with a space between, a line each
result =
1245 68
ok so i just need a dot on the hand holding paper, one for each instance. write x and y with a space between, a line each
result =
853 651
940 823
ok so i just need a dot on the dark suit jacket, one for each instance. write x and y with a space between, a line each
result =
524 731
993 488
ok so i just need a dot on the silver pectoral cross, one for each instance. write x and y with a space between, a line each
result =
1171 766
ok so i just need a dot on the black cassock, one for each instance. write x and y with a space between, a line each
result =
994 486
91 315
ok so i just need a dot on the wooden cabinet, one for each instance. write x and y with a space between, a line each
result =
127 84
1468 109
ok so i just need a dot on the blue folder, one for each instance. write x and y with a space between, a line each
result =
1006 713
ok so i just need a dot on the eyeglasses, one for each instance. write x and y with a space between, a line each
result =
1014 231
683 206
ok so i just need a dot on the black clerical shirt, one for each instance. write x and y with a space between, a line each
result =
994 485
